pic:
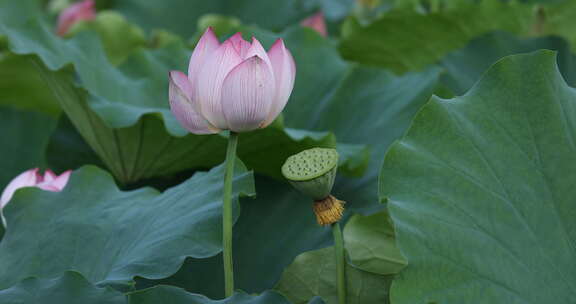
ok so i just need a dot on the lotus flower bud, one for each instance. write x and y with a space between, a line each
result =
83 10
313 172
317 23
235 85
31 178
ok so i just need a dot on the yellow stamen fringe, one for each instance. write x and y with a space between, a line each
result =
328 210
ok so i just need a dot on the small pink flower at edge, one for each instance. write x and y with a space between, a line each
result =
83 10
235 85
32 178
317 23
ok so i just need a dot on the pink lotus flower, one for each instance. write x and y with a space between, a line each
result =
31 178
233 86
317 23
83 10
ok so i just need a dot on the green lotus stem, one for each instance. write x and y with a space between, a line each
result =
340 262
227 221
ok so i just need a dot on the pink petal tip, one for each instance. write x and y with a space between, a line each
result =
317 23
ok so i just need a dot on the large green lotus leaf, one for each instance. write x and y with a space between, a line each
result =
111 236
313 274
481 191
70 288
356 103
273 229
22 87
464 67
404 39
136 152
123 112
24 136
371 244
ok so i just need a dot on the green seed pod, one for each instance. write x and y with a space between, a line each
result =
312 171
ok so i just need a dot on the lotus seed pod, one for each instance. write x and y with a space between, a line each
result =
312 171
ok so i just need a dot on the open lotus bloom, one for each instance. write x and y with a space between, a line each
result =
233 86
317 23
83 10
32 178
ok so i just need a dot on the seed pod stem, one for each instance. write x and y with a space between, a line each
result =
339 255
312 172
